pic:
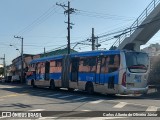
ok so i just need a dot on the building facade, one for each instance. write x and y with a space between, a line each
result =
154 53
152 50
15 67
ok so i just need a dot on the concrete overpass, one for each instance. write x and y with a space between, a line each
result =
142 30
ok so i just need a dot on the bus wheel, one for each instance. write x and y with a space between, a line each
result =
33 84
89 88
71 89
52 85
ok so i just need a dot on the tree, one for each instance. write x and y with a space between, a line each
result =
1 71
154 74
113 48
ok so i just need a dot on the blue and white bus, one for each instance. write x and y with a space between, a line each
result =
107 72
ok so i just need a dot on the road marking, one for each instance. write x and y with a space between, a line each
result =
85 110
65 96
81 98
11 95
96 102
8 86
37 110
54 94
120 105
152 108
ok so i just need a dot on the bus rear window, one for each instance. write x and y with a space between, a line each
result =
137 62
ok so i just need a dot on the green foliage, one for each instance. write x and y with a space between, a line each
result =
113 48
1 71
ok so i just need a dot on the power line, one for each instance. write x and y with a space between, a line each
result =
39 20
102 15
49 12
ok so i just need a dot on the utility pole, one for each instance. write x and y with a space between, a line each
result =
93 40
4 66
68 11
22 73
44 51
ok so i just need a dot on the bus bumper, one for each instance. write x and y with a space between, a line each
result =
134 90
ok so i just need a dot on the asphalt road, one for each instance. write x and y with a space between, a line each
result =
78 104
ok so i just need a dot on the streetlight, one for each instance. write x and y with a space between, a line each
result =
19 37
16 48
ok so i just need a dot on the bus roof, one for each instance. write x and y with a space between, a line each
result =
47 59
95 53
79 54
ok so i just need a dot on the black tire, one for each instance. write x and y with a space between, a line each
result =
52 85
70 89
33 84
89 88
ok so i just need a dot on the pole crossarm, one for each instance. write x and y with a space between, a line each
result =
68 11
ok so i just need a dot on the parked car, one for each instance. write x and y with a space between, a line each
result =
15 78
8 79
1 79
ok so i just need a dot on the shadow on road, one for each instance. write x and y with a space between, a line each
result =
153 93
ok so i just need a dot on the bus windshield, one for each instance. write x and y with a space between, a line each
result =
137 62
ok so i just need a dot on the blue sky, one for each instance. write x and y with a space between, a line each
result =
41 23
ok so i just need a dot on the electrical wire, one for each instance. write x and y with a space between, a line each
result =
102 15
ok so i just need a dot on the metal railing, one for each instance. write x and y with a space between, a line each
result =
128 32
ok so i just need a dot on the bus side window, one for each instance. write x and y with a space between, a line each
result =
92 64
58 66
43 68
106 64
98 69
83 66
103 65
87 64
39 68
116 60
55 66
52 66
113 63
